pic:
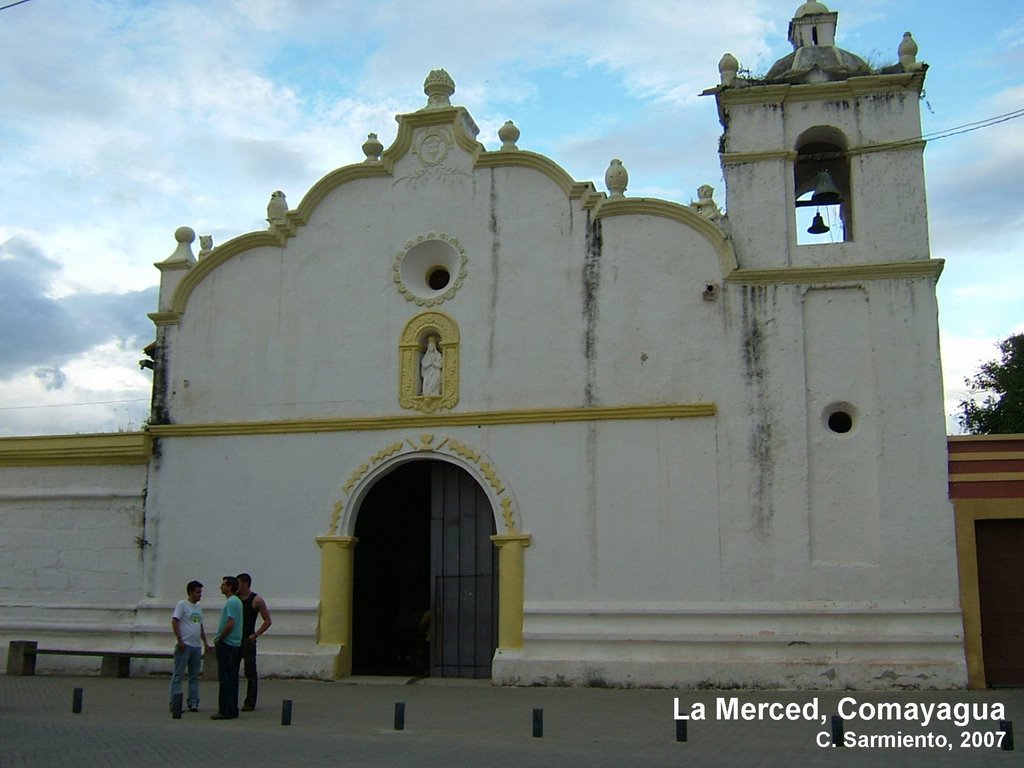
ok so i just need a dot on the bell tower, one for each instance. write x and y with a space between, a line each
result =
823 156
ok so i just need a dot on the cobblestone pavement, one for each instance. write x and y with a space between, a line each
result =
125 722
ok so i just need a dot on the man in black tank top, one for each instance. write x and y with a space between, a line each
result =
252 606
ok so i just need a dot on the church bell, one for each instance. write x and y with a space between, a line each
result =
818 226
825 191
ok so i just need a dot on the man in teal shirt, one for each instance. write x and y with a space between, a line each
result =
228 643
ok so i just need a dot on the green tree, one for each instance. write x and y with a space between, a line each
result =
1001 410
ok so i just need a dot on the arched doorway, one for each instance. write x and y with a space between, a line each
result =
425 596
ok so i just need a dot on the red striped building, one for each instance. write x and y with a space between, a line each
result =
986 486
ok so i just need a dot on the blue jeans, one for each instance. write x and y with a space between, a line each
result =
227 674
192 658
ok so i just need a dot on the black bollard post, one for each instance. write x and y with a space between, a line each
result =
1007 728
399 715
837 731
286 712
76 701
538 722
176 706
681 729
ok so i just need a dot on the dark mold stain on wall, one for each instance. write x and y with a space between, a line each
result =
591 284
495 267
755 367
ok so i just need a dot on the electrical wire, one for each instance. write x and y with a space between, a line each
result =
11 5
71 405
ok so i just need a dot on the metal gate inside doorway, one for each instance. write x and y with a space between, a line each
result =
426 593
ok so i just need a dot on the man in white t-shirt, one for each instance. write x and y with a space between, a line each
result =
187 623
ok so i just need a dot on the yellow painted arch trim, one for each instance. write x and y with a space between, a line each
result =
650 206
519 158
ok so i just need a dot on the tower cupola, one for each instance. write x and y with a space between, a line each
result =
815 57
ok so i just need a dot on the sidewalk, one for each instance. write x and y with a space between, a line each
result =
125 722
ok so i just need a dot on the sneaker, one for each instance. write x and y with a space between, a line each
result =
221 716
248 707
193 708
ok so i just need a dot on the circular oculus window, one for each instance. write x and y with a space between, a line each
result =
430 269
839 418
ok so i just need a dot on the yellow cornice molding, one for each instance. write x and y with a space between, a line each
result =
737 158
985 477
841 89
1019 436
520 158
164 318
411 421
926 268
987 456
651 206
69 450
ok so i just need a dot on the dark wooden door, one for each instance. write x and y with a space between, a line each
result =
1001 592
463 576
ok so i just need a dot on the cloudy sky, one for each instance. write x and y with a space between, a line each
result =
124 119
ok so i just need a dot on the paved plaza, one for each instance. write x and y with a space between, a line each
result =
125 722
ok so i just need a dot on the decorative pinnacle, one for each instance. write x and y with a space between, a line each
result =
616 178
439 88
907 51
509 135
728 66
372 148
183 252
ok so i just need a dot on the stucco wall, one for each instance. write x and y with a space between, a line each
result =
74 541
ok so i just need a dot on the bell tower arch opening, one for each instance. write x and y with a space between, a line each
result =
821 179
425 582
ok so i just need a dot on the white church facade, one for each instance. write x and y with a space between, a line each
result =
462 415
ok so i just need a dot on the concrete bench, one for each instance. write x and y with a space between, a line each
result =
22 654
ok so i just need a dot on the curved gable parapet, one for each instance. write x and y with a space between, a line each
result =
651 206
337 178
219 255
545 165
400 147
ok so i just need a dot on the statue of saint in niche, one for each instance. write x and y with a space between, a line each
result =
430 369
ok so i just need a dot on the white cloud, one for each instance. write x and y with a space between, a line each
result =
124 120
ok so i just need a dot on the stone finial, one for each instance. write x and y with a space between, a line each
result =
509 135
616 178
277 207
907 52
439 88
205 245
728 66
372 148
183 253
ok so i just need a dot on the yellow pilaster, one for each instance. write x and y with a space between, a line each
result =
510 587
337 559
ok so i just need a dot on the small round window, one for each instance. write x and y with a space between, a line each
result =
430 269
438 278
840 418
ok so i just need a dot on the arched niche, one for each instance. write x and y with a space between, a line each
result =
415 343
